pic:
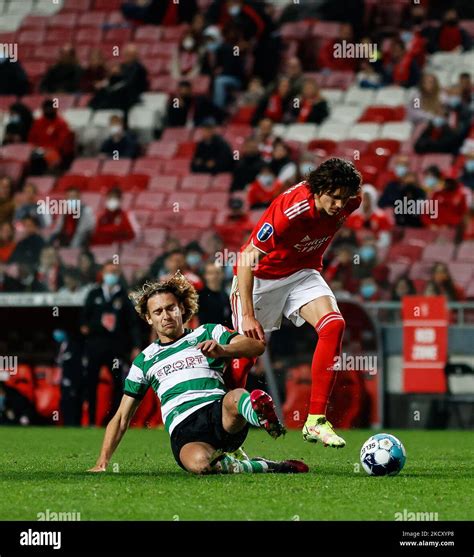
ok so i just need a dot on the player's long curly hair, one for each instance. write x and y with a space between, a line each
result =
177 285
333 174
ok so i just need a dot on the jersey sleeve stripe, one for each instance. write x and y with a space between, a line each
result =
259 249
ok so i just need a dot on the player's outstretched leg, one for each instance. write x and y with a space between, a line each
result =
227 463
330 329
258 409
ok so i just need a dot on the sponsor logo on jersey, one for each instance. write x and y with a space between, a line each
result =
177 365
265 232
313 245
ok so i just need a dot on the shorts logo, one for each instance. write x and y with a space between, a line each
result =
265 232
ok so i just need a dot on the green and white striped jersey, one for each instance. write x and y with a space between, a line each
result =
181 376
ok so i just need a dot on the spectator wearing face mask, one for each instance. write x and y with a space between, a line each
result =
451 203
432 179
120 143
52 138
114 224
393 188
194 257
365 259
185 63
369 218
369 290
263 190
214 304
112 338
176 261
438 136
74 228
19 121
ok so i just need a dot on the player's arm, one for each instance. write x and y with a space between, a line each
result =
239 346
249 258
115 430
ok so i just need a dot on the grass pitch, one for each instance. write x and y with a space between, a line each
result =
44 469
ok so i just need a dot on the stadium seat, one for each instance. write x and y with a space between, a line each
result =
367 132
404 252
325 146
34 37
120 167
13 169
165 184
380 146
72 181
181 201
442 253
173 33
186 149
133 182
196 182
148 34
176 134
243 115
382 114
22 8
162 149
17 152
339 80
302 132
199 219
77 118
359 96
67 20
465 252
221 182
89 36
348 147
347 114
33 22
93 199
69 256
166 218
158 101
76 5
461 272
396 269
102 117
218 201
147 165
397 130
298 30
118 36
419 236
391 96
103 182
154 237
85 166
443 161
149 200
333 96
179 167
44 184
143 218
420 270
334 131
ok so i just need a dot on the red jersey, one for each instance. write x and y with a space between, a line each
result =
293 234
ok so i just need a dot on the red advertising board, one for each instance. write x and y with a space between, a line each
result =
425 343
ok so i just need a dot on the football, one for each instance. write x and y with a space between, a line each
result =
382 455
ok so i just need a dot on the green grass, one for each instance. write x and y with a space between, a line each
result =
44 468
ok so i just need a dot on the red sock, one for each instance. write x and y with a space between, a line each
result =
236 374
330 329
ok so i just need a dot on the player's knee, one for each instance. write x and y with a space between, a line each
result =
199 464
236 395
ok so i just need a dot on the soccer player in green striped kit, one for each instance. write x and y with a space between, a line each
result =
185 367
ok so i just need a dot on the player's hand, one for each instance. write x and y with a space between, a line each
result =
211 349
98 468
252 328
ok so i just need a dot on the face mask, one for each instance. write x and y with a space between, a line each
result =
115 130
367 290
306 168
453 101
469 165
400 170
438 121
72 204
367 253
14 119
112 204
406 36
188 43
234 11
430 181
59 335
111 279
212 46
265 179
193 259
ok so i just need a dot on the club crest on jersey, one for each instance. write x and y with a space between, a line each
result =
265 232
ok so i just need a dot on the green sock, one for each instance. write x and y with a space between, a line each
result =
245 409
230 465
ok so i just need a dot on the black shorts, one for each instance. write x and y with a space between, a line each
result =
206 425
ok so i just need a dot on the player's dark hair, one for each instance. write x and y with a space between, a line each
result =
334 174
177 285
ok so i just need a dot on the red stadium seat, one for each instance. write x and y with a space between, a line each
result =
466 252
59 37
106 5
13 169
155 66
420 236
165 184
182 201
196 182
31 37
154 237
339 80
76 5
404 252
442 253
347 148
103 182
91 19
90 36
442 160
461 272
35 70
420 270
44 184
382 114
69 256
176 134
148 34
93 199
134 182
221 182
186 149
243 115
115 18
164 84
163 149
166 218
147 165
200 219
30 22
396 269
297 31
72 181
120 167
86 166
381 146
6 101
213 200
150 200
326 146
180 167
58 20
118 36
17 152
143 217
173 34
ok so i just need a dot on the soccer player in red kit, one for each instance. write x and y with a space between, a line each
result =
278 274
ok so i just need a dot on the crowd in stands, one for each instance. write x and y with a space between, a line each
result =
261 78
